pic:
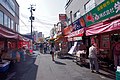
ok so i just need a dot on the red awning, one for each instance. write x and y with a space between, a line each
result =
76 33
8 34
101 28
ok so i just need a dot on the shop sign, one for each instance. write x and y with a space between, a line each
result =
76 33
78 24
68 30
105 10
77 38
62 17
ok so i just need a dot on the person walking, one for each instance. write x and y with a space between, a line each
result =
52 51
24 54
93 58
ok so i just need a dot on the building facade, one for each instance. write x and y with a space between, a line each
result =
76 8
98 20
9 13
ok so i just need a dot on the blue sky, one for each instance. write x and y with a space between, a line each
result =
46 14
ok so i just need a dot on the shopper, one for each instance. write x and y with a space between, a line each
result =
24 54
116 52
52 51
93 58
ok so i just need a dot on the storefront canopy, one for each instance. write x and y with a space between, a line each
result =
7 34
101 28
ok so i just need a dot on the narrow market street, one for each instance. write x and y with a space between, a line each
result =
41 67
66 69
60 40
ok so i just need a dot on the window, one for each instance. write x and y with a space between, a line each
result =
12 24
9 5
5 20
17 28
8 22
1 17
89 5
105 41
77 15
69 22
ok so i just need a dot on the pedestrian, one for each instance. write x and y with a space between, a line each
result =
93 58
17 55
13 55
45 48
116 52
52 51
24 54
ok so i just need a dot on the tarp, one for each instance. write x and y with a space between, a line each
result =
102 28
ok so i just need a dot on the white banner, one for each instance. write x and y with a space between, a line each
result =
72 48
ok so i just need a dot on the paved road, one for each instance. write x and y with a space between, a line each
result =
41 67
65 69
24 70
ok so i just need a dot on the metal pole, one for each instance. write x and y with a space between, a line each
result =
31 20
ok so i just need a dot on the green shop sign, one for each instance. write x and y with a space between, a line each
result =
105 10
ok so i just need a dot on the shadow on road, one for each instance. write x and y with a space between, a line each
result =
57 62
110 74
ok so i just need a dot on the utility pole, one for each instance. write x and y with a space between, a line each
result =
31 18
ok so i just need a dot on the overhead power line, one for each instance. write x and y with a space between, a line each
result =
44 22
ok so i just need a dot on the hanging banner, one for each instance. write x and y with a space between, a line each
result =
72 49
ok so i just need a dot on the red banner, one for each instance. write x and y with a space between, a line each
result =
76 33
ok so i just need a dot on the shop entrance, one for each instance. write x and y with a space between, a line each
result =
115 39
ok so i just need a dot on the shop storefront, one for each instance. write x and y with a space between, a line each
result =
75 31
24 42
8 39
105 34
103 25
